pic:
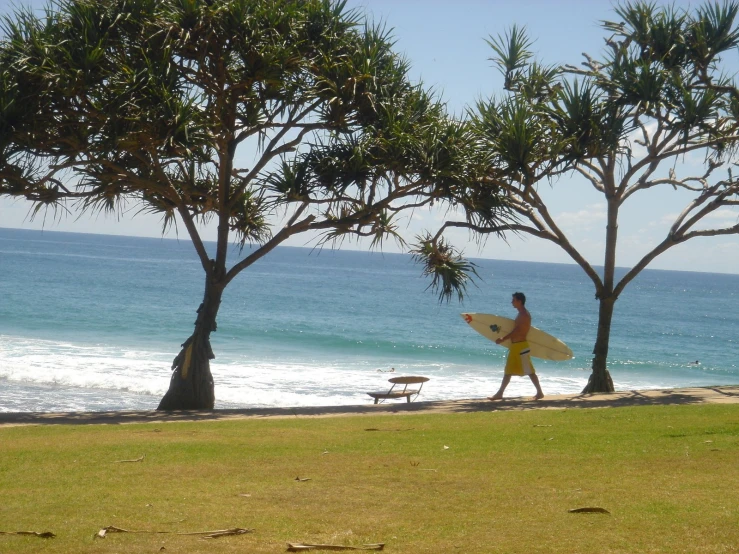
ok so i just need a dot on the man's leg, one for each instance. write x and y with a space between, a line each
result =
539 392
499 395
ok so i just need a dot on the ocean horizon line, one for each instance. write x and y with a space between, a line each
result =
378 252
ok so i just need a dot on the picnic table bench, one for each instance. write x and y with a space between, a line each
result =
405 392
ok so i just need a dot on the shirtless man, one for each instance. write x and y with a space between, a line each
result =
519 361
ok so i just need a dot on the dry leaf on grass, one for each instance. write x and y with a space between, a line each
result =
589 510
300 547
42 535
204 534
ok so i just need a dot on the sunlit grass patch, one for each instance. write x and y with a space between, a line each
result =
480 482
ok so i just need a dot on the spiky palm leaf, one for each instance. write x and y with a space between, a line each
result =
448 270
513 52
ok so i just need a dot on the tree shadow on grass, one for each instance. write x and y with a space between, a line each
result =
662 397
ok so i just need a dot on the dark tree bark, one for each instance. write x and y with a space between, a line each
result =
191 386
600 378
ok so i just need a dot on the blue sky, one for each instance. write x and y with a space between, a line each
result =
444 41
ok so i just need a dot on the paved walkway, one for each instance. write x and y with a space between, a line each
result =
662 397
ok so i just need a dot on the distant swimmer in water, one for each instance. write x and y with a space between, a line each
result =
695 363
391 370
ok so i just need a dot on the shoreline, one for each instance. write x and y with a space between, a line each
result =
725 394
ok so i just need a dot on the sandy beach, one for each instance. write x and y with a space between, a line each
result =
657 397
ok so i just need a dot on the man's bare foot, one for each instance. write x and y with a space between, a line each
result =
539 396
496 397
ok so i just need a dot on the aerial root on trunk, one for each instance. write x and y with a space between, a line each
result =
599 383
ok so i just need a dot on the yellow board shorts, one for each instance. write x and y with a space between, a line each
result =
519 361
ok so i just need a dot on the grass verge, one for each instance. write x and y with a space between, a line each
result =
479 482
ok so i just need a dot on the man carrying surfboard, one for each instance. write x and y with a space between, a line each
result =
519 360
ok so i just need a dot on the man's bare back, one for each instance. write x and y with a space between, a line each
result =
521 325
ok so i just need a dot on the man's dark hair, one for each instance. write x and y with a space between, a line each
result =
520 296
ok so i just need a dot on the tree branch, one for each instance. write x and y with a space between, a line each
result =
675 182
665 245
558 237
496 229
285 233
594 168
678 228
652 158
595 181
270 123
270 154
197 242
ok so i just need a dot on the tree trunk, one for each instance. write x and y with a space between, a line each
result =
600 378
191 386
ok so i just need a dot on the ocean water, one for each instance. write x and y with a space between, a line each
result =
92 322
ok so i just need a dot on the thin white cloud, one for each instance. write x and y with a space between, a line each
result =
720 218
669 219
582 220
724 214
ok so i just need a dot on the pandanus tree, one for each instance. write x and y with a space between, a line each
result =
622 124
159 102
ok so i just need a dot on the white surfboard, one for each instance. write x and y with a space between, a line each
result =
543 345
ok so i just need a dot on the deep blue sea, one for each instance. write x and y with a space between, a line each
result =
92 322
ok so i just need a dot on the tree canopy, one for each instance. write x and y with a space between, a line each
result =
623 123
268 117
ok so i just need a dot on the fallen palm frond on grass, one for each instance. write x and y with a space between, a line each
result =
300 547
204 534
391 430
139 459
589 510
42 535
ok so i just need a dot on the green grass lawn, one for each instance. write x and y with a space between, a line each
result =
478 482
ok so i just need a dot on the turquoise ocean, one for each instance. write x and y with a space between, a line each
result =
92 323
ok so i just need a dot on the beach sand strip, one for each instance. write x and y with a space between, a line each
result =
656 397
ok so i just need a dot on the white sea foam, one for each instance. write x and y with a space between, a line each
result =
81 366
107 371
101 377
75 377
